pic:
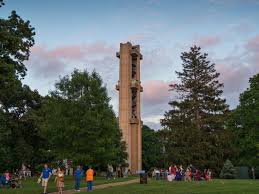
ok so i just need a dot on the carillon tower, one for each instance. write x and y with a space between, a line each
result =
129 102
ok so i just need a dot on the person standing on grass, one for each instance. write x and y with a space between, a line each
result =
44 177
59 179
77 175
89 178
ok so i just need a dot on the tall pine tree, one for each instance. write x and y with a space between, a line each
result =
197 118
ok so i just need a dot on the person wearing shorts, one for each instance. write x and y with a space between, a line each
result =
45 175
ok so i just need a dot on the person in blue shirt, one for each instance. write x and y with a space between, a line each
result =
45 175
2 180
77 174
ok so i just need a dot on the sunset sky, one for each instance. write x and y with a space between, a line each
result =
86 34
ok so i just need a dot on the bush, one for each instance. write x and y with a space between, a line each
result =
228 171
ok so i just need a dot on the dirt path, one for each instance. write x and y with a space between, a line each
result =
102 186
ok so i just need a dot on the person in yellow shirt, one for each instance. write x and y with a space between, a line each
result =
89 175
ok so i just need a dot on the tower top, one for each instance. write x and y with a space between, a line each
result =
134 50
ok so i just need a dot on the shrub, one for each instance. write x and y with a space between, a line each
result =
228 171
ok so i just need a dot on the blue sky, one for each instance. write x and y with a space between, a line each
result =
85 34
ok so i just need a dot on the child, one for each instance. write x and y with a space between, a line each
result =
59 179
89 178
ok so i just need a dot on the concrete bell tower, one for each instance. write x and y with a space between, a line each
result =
129 102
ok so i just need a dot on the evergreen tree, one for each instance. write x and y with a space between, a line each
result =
244 122
198 115
228 171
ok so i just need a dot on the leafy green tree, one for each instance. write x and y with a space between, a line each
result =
228 171
79 122
1 3
19 134
152 148
198 115
244 122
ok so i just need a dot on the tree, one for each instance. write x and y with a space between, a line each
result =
152 148
1 3
244 122
79 122
19 135
228 171
198 116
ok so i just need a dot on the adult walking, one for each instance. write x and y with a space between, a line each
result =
77 175
44 177
59 179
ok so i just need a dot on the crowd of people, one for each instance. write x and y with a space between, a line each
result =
173 173
178 173
14 179
59 179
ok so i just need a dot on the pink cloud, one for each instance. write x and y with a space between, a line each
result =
252 47
235 78
75 51
98 48
69 51
236 70
42 64
156 92
207 41
48 62
253 44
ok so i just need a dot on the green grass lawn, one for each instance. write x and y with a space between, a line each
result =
153 187
164 187
30 186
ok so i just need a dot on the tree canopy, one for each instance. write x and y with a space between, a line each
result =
80 124
152 148
244 122
19 135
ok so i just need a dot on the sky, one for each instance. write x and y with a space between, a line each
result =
85 34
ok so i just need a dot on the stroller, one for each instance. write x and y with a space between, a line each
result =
15 182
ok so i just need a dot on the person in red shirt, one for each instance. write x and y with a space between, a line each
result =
206 175
197 175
